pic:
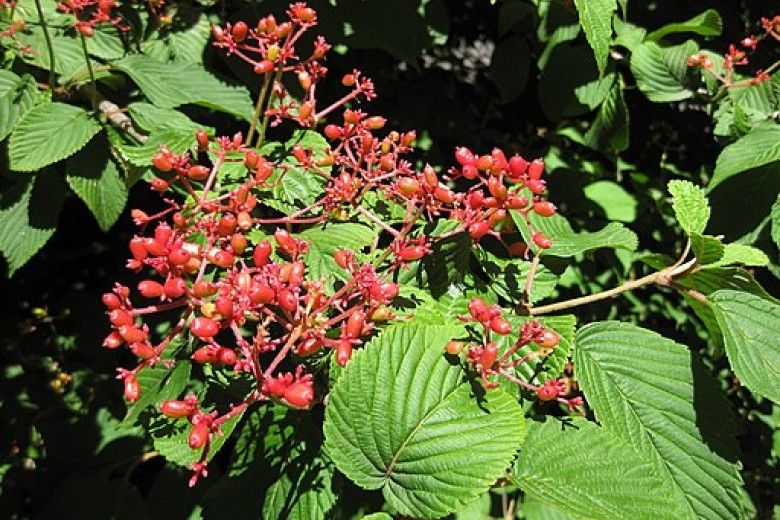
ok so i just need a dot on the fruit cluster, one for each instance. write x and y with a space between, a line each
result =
234 274
89 13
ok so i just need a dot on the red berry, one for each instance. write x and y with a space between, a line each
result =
132 334
175 288
201 289
142 350
204 328
132 388
198 173
111 301
477 308
113 340
342 258
262 253
454 347
488 357
203 140
239 32
541 240
261 293
444 195
153 247
355 323
175 409
264 67
160 185
287 300
227 356
227 224
517 166
470 171
223 259
409 186
162 162
548 339
478 229
547 392
409 254
464 156
544 208
199 435
535 169
119 317
205 355
179 256
137 248
332 132
536 186
300 394
150 289
500 326
308 347
343 352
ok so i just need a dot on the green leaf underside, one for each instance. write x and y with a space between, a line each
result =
49 133
169 85
589 472
96 180
690 206
567 243
29 211
17 96
707 23
707 249
751 328
596 20
761 146
401 419
660 72
641 387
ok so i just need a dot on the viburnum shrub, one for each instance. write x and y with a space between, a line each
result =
316 308
257 311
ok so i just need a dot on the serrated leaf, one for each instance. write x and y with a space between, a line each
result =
761 146
707 23
589 472
179 142
566 242
594 92
661 72
300 186
49 133
641 387
303 492
401 419
751 327
29 211
184 41
324 242
775 216
158 383
507 276
690 206
68 56
17 97
596 21
741 254
609 131
552 366
150 118
95 178
169 85
533 510
170 438
707 249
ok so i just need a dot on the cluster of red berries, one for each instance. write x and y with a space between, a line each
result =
234 275
738 55
89 13
487 360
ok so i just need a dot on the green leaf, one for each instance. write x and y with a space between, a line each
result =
609 131
68 55
533 510
169 85
95 178
158 384
553 365
596 20
566 242
741 254
775 216
303 492
178 141
300 186
507 276
509 67
761 146
324 242
171 439
29 210
627 34
589 472
661 72
707 249
617 203
401 419
49 133
594 92
707 23
751 326
641 387
690 206
17 97
150 118
184 41
568 68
